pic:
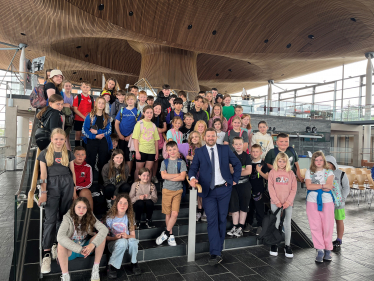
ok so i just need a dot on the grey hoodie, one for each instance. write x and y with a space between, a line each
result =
343 183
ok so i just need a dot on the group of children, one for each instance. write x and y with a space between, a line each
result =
119 128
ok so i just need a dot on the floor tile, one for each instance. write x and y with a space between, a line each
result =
197 276
224 277
161 267
188 269
170 277
239 269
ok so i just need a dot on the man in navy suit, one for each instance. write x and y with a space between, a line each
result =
212 161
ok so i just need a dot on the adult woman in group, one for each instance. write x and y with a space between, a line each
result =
111 87
54 84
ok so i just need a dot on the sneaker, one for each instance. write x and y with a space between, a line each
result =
46 264
149 224
65 277
136 269
213 260
154 179
288 252
203 218
111 272
162 238
137 225
248 228
198 216
54 251
327 256
95 275
238 232
171 240
274 250
320 255
258 231
109 204
232 231
336 244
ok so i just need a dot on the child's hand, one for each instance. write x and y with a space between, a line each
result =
75 196
138 156
286 205
93 131
100 136
145 196
258 168
124 235
118 236
156 156
121 137
279 205
87 250
127 138
141 197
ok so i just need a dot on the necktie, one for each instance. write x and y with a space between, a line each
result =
212 184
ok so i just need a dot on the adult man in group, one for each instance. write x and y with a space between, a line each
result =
213 162
163 97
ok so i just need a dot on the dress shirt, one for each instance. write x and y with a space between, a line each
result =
218 176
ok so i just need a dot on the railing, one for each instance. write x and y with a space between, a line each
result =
2 158
144 85
343 156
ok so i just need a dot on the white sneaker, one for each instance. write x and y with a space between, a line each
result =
54 251
203 218
232 231
154 179
95 275
238 232
198 216
46 264
171 240
65 277
162 238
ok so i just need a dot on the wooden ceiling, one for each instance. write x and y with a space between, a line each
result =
246 31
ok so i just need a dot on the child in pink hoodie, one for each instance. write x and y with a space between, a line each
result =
282 188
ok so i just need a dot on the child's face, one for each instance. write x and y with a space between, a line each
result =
100 104
256 152
67 87
238 111
188 121
201 128
80 209
142 98
130 101
195 138
148 114
58 140
166 92
219 100
144 177
107 98
178 106
134 91
319 162
121 98
150 102
118 159
238 145
205 106
283 143
85 88
198 103
115 143
227 101
282 163
217 126
58 105
177 124
80 156
236 124
111 84
157 110
209 96
183 98
173 151
171 101
122 205
245 122
331 166
217 111
263 128
214 93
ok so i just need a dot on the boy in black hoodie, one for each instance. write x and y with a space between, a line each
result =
163 98
197 112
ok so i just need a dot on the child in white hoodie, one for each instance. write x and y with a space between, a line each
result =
263 138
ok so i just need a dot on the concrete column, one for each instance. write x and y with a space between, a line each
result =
22 69
11 130
103 82
270 95
367 143
369 81
22 133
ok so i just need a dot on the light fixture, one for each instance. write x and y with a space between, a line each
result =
230 70
353 19
249 63
269 128
80 78
74 72
308 129
189 27
314 130
78 47
217 74
23 34
95 79
266 40
288 46
86 56
273 129
131 13
311 36
101 7
214 32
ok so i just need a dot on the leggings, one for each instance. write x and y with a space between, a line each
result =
110 190
98 148
143 206
286 222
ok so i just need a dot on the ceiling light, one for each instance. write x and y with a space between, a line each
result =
101 7
95 79
288 46
131 13
86 56
282 74
217 74
308 129
214 32
230 70
74 72
189 27
353 19
23 34
80 78
249 63
267 40
78 47
314 130
311 36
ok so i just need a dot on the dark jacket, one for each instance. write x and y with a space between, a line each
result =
51 119
163 100
201 115
116 106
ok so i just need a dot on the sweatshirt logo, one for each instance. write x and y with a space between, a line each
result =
58 160
83 174
281 180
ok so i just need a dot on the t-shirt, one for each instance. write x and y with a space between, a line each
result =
234 134
186 132
245 159
228 111
79 237
69 100
173 169
176 136
128 120
48 86
257 181
100 122
318 178
118 225
270 157
140 107
57 169
220 137
84 107
146 137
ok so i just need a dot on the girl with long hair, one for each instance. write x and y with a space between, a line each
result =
121 224
282 189
217 125
201 127
217 114
246 126
320 205
57 180
74 240
96 134
111 87
115 175
67 110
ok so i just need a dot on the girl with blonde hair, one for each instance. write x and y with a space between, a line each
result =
201 127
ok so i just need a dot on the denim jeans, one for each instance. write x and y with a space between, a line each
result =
118 248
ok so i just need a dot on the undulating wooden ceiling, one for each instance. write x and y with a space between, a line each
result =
254 40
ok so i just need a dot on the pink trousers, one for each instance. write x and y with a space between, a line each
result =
321 224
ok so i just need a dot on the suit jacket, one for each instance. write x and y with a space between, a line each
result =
201 162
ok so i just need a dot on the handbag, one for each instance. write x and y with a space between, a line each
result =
270 234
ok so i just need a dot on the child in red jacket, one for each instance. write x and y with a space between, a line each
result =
83 174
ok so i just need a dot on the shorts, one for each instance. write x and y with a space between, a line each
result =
79 191
75 255
144 157
339 214
129 155
78 125
171 200
240 197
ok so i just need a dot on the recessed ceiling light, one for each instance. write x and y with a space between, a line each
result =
214 32
288 46
230 70
23 34
189 27
101 7
266 40
86 56
74 72
311 36
95 79
249 63
353 19
217 74
78 47
282 74
131 13
80 78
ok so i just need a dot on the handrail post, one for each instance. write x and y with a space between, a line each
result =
192 226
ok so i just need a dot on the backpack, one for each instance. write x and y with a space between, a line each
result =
99 201
37 98
270 234
92 101
179 165
240 134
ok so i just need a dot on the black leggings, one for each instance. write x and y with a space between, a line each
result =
100 148
110 189
143 206
258 206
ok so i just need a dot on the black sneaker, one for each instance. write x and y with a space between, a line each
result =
274 250
215 260
137 226
112 272
336 246
136 269
288 251
149 224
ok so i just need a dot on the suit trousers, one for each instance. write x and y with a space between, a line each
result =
216 206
